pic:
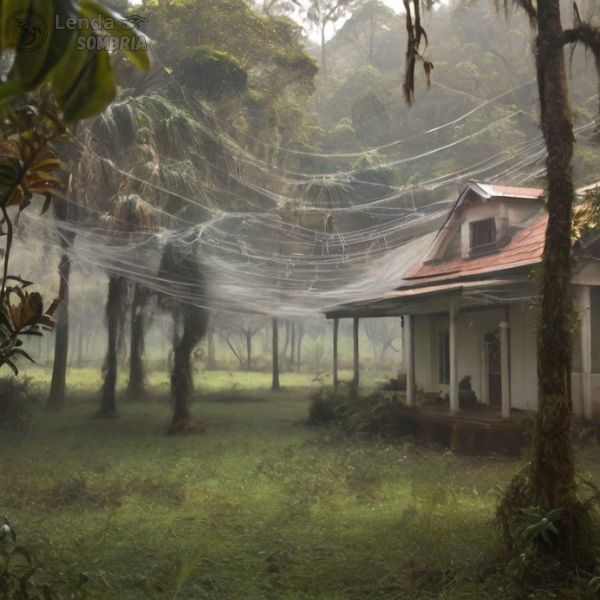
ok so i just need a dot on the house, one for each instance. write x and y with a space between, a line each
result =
469 305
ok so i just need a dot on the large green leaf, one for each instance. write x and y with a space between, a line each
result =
62 38
9 90
33 27
81 75
94 90
66 74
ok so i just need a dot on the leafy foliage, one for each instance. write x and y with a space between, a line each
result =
375 414
586 216
75 62
541 525
212 73
27 167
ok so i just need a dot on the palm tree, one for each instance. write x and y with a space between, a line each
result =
181 267
129 215
56 397
142 145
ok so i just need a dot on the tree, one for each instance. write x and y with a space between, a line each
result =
181 267
275 385
382 333
238 336
129 215
362 29
272 7
163 146
137 372
322 13
212 73
56 396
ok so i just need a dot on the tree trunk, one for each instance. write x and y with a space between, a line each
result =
180 382
550 483
79 344
287 339
356 361
323 53
114 309
136 387
299 349
211 364
248 351
56 397
293 344
275 348
194 328
552 465
336 328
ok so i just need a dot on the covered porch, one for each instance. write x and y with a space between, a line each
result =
473 346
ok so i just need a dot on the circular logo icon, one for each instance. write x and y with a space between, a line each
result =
25 30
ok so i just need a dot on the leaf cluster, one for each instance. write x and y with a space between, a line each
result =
74 61
540 525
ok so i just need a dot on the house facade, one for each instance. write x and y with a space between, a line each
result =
469 305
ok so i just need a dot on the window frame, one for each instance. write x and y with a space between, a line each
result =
485 247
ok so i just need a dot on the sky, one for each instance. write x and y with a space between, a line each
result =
310 31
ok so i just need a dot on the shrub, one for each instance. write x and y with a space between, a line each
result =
322 408
374 414
17 398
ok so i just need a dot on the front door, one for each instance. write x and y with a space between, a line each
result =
492 347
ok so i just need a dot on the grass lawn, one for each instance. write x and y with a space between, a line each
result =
259 506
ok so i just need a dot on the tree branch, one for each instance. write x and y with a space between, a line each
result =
585 34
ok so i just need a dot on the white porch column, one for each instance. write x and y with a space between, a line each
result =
505 368
453 335
409 359
586 351
483 374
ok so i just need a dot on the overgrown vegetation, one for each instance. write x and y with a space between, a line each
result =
259 506
17 400
376 413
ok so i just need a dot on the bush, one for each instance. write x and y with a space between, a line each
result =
322 408
375 414
17 398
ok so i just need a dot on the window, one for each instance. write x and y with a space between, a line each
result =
444 357
483 236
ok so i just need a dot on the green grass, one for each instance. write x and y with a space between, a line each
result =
88 379
259 506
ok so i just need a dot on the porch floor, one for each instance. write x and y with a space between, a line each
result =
480 430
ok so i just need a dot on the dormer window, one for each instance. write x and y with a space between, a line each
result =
483 236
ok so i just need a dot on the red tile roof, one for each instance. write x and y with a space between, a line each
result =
506 191
525 248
